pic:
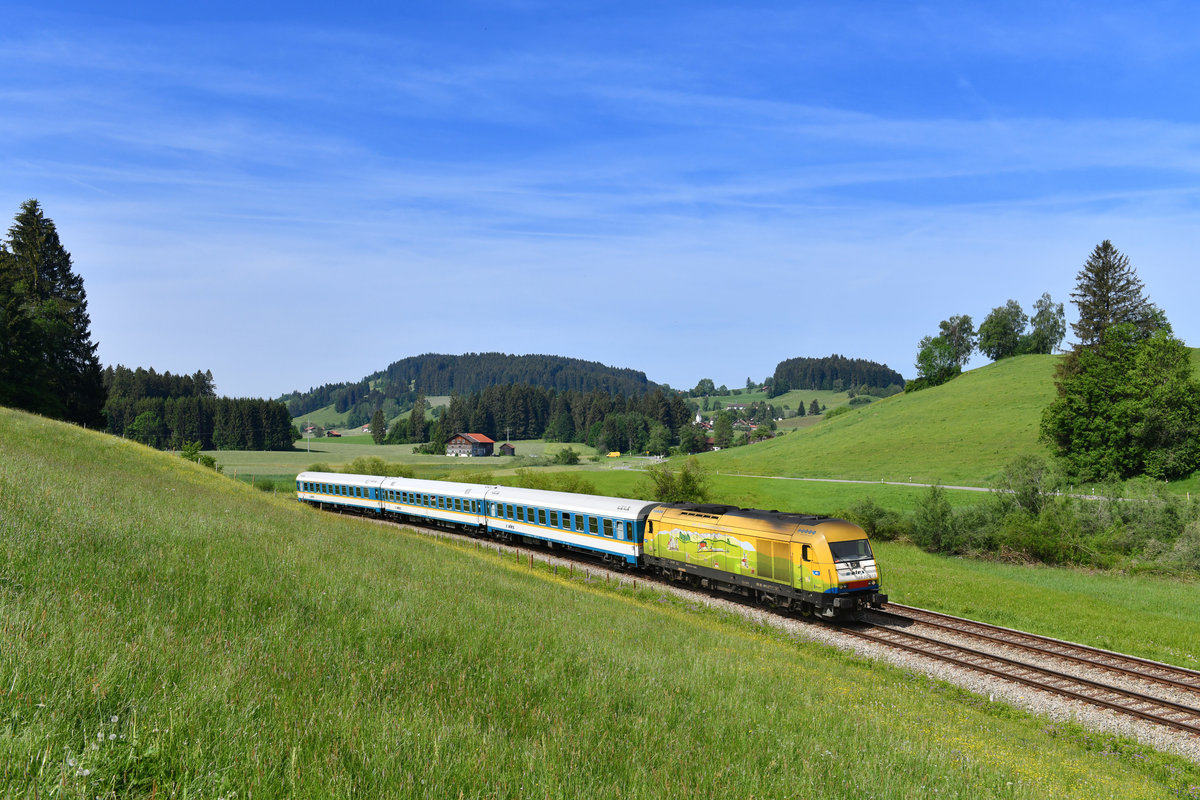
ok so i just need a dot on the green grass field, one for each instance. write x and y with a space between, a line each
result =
170 632
963 432
336 452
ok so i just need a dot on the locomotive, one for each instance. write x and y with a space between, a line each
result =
810 564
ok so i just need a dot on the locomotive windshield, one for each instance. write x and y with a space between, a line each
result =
857 550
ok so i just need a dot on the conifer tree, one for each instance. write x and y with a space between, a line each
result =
1108 292
48 361
378 426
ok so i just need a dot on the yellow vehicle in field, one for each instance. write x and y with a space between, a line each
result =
816 565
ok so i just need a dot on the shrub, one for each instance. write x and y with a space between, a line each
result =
878 522
566 456
374 465
933 521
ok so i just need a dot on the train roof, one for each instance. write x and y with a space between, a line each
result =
623 507
436 487
340 477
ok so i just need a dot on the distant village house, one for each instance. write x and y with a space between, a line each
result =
469 444
507 449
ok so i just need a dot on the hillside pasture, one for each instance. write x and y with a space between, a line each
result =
960 433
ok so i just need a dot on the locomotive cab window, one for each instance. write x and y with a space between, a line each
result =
857 550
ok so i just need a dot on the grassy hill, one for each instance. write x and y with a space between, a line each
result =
170 632
960 433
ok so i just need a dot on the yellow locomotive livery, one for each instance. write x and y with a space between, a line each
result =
817 565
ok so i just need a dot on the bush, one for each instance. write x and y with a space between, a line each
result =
689 485
878 522
566 456
933 521
374 465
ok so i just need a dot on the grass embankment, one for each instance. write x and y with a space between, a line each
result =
168 631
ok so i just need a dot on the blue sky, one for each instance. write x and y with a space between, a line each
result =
290 195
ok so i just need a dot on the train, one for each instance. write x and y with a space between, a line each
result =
813 565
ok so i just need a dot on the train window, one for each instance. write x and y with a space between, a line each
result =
579 522
553 519
593 526
608 528
541 516
806 552
520 513
620 530
857 550
509 511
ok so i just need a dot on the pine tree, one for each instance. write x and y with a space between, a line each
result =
1109 292
48 361
378 426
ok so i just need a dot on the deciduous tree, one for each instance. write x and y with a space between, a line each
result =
959 333
1001 331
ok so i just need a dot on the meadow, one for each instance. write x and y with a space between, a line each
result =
962 433
171 632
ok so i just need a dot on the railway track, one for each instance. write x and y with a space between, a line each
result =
1147 690
1159 693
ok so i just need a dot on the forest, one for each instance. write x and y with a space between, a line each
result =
835 373
169 411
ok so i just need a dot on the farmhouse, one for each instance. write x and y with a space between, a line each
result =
469 444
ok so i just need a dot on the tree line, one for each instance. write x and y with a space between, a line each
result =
1006 331
169 411
834 373
654 421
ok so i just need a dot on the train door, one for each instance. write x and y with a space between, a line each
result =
804 579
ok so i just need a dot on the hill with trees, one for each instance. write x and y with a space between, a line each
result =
395 388
834 373
963 432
